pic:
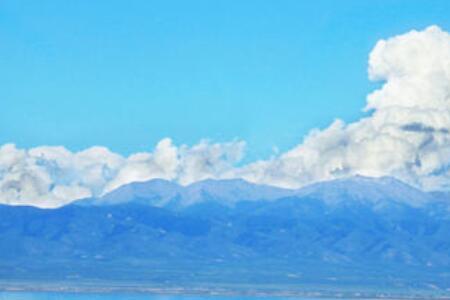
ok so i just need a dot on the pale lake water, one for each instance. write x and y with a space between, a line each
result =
88 296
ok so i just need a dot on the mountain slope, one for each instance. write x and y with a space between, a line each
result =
381 228
360 188
163 193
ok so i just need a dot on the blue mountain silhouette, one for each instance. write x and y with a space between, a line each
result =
357 231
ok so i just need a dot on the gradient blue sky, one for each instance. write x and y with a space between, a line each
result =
124 74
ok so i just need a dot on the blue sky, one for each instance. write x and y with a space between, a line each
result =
124 74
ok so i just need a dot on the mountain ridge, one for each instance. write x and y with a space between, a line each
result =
161 193
226 191
156 240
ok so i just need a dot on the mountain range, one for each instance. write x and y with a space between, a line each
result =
357 232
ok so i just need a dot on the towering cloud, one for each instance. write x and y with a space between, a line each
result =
406 134
415 100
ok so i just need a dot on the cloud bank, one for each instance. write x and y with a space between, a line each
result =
406 134
54 176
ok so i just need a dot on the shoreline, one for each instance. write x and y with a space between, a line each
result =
86 288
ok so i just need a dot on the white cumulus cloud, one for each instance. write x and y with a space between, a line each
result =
54 176
405 134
